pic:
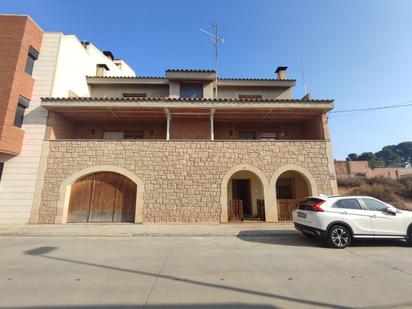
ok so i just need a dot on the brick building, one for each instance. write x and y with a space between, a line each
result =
346 168
188 146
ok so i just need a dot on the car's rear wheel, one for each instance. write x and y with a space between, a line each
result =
339 237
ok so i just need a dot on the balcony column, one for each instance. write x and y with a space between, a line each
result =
212 124
168 123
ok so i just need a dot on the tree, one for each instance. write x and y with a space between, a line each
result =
390 156
352 157
405 152
366 156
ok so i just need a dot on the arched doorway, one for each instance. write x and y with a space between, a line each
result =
245 196
291 188
102 197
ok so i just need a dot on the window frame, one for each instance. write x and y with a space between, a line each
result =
201 92
361 206
266 136
32 56
22 104
136 134
250 96
248 132
373 199
1 169
134 95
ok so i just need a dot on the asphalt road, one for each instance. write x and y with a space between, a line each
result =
209 272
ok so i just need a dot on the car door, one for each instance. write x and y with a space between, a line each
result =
384 223
352 212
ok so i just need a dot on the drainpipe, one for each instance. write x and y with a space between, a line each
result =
212 125
168 123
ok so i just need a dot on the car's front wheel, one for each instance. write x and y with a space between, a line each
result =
409 237
339 237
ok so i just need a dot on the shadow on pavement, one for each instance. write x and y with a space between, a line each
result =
299 240
43 252
286 239
171 306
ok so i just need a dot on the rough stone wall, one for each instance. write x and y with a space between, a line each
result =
182 178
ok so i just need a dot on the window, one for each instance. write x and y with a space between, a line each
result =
374 205
247 135
134 95
268 135
113 135
349 203
1 169
285 188
22 104
31 58
191 91
134 134
250 96
124 135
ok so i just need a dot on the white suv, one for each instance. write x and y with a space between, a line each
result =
338 219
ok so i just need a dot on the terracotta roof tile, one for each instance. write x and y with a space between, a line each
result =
223 78
234 100
190 70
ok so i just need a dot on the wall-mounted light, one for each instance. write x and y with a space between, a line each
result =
92 131
151 132
230 132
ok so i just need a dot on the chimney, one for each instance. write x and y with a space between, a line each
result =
281 72
108 54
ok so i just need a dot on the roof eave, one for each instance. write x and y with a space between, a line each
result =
53 104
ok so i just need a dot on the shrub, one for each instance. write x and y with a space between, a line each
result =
406 190
387 182
349 182
379 191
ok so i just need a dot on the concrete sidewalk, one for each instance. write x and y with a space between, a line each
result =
149 230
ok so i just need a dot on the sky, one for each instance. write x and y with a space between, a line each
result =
358 53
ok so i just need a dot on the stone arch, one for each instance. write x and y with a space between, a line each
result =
65 187
313 188
224 187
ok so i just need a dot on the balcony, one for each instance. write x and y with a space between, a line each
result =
176 119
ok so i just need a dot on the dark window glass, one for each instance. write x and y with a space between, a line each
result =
21 107
247 135
31 58
191 91
1 169
134 95
250 96
285 188
134 135
374 205
348 204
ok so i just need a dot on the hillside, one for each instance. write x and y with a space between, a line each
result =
395 192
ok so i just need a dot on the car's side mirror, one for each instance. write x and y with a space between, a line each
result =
391 211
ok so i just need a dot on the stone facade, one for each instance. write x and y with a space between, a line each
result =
182 179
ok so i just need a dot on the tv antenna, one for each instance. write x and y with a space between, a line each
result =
216 39
303 77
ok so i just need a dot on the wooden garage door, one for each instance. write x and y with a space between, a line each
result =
102 197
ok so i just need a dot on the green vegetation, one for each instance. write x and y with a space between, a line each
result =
390 156
391 191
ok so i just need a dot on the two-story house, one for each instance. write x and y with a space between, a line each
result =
185 147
